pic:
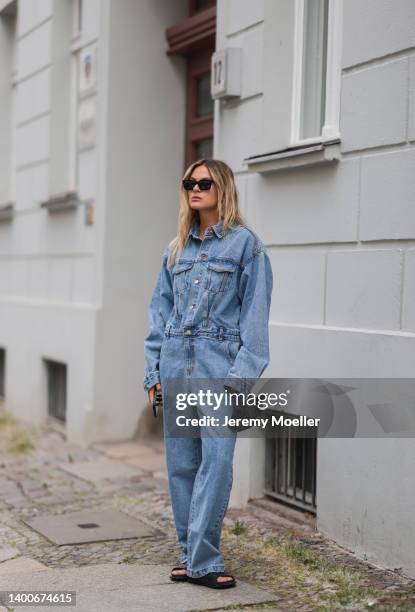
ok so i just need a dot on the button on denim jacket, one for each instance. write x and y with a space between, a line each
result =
220 286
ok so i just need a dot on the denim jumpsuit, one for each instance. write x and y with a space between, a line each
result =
208 319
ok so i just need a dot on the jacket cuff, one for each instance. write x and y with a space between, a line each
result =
242 385
151 379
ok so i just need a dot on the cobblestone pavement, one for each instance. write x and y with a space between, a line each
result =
304 570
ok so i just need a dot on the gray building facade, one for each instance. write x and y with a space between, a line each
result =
316 115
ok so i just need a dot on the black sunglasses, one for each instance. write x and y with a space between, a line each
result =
204 184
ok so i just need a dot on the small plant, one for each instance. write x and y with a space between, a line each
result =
272 541
239 528
5 419
298 552
14 438
21 446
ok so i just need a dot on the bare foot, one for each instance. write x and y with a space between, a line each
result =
224 578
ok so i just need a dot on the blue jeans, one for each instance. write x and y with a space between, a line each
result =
200 470
200 481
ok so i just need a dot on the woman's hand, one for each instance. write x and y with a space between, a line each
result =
151 392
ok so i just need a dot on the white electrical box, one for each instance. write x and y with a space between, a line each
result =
226 73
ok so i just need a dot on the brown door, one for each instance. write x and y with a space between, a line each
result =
199 110
194 38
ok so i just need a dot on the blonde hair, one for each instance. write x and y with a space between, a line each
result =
228 204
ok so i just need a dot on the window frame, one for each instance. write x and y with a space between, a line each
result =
9 17
77 18
197 128
3 366
14 79
193 10
76 48
331 126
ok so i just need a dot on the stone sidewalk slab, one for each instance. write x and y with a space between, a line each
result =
123 450
101 469
20 564
8 553
89 526
162 475
140 456
151 463
131 588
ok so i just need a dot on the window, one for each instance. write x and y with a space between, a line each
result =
2 372
64 102
77 17
314 62
13 83
8 82
199 107
77 6
83 93
200 5
317 71
194 38
291 468
60 83
56 383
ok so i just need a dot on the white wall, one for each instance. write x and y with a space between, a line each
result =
47 260
341 241
70 291
371 513
145 109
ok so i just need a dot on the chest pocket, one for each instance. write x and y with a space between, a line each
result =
220 275
181 276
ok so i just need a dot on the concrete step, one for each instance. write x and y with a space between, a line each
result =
130 587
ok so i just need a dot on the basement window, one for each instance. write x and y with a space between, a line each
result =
56 389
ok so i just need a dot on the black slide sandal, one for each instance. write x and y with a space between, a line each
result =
211 580
178 577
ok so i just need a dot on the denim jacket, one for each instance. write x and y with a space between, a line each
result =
220 286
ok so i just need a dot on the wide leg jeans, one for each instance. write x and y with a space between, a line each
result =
199 469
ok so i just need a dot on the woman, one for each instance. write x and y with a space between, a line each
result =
208 319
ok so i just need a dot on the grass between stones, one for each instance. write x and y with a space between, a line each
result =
303 578
15 439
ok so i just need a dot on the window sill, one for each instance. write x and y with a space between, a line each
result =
317 153
76 42
64 201
7 211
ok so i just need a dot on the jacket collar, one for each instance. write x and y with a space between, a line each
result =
217 228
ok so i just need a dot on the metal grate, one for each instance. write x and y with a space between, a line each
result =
2 372
291 464
56 380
